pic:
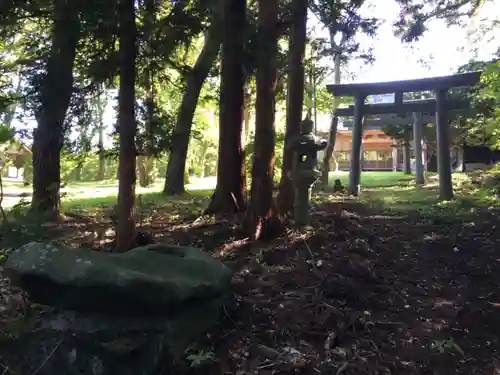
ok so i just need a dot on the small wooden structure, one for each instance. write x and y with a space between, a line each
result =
440 105
14 155
377 150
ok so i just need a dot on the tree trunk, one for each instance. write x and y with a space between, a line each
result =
295 99
332 133
406 151
55 95
78 171
125 233
247 114
406 158
145 170
102 152
141 171
230 193
203 156
261 220
174 181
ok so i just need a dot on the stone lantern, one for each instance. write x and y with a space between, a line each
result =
305 172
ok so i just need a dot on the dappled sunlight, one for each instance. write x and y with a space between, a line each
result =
379 273
205 183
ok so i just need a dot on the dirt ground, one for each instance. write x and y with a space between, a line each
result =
361 293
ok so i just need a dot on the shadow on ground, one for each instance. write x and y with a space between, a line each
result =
364 292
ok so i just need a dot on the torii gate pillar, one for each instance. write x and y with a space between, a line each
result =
356 146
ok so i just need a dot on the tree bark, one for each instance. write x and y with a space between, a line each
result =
100 145
406 152
230 192
202 157
78 171
145 170
247 115
332 133
101 174
125 233
55 95
261 220
176 168
406 158
295 99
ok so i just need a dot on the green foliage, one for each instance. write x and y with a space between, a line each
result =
415 15
479 124
6 133
490 92
343 20
200 358
400 133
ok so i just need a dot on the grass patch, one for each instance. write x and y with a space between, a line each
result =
472 192
152 208
371 180
187 205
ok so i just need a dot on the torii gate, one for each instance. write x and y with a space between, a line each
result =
379 121
440 105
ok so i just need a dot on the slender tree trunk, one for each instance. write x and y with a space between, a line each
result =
56 91
203 156
332 133
406 158
176 168
295 99
146 160
230 192
145 170
125 233
142 171
247 114
100 104
78 170
101 174
406 152
261 220
2 211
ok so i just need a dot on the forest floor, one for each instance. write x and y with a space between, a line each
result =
391 283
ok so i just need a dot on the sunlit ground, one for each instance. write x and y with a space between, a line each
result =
370 180
388 191
395 191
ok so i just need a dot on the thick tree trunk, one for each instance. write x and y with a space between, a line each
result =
261 220
230 192
295 99
125 233
176 169
332 133
56 91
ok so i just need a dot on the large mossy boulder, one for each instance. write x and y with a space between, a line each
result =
157 279
131 312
